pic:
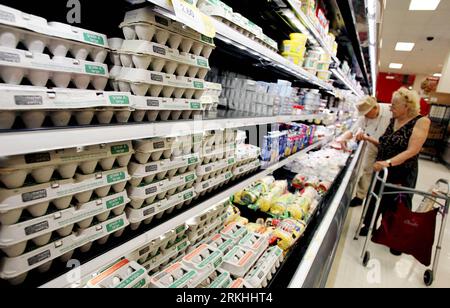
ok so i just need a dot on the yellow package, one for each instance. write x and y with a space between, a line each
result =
277 189
288 232
281 204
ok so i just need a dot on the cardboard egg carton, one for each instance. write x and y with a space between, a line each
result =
215 169
142 83
258 243
36 34
152 109
238 261
184 145
36 199
262 273
159 58
225 14
146 194
161 169
14 238
124 274
234 232
202 188
210 154
177 276
153 149
218 242
157 210
38 68
204 260
241 137
34 104
218 279
246 153
16 269
244 170
201 234
145 24
43 166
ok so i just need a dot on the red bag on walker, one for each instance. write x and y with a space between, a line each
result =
408 232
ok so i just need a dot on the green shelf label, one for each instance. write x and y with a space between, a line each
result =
119 100
115 225
199 85
116 177
95 69
94 38
202 62
188 195
115 202
120 149
190 178
196 106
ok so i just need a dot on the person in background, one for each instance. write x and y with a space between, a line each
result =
374 120
399 149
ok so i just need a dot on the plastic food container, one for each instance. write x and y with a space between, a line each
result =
324 75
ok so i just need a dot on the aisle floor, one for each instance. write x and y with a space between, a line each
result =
386 270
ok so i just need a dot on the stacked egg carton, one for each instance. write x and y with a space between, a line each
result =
46 196
262 273
247 160
163 64
163 172
211 98
218 159
76 56
225 14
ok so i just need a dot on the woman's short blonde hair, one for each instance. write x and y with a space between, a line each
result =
411 98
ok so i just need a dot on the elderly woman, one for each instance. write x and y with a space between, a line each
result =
400 146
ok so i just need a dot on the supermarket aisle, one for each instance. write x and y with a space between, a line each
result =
386 270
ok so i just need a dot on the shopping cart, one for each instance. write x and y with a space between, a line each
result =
439 198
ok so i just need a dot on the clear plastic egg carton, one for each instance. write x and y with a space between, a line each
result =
157 210
211 154
204 260
124 274
36 199
33 105
145 24
159 58
36 34
16 269
238 261
208 186
14 238
258 243
154 109
147 194
234 232
39 69
212 170
245 170
267 266
42 167
177 276
162 169
142 83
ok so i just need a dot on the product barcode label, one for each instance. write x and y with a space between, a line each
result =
151 168
159 145
34 195
151 190
162 21
152 103
37 158
9 57
7 16
206 185
28 100
38 258
36 228
260 275
158 78
149 211
159 50
208 169
144 251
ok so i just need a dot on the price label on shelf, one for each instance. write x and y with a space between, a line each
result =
191 16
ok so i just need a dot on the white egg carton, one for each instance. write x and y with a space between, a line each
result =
124 274
238 261
225 14
177 276
218 242
159 58
215 169
14 238
16 64
262 273
16 269
184 145
37 34
241 137
197 236
164 109
213 89
244 170
246 153
142 82
34 104
146 194
202 188
207 217
36 199
209 154
204 260
42 166
148 150
218 279
157 210
161 169
234 232
145 24
163 258
219 137
258 243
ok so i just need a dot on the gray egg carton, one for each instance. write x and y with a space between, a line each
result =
244 170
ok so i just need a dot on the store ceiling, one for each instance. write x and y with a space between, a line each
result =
402 25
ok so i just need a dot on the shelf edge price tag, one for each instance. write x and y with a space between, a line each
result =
193 18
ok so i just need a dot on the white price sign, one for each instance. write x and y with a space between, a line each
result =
193 18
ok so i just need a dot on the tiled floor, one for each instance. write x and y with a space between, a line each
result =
386 270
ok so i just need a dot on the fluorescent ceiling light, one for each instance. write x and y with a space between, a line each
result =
396 66
437 75
401 46
424 5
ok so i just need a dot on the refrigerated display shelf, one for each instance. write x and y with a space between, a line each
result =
134 241
34 141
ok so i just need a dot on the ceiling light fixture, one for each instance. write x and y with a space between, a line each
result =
439 75
401 46
424 5
397 66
